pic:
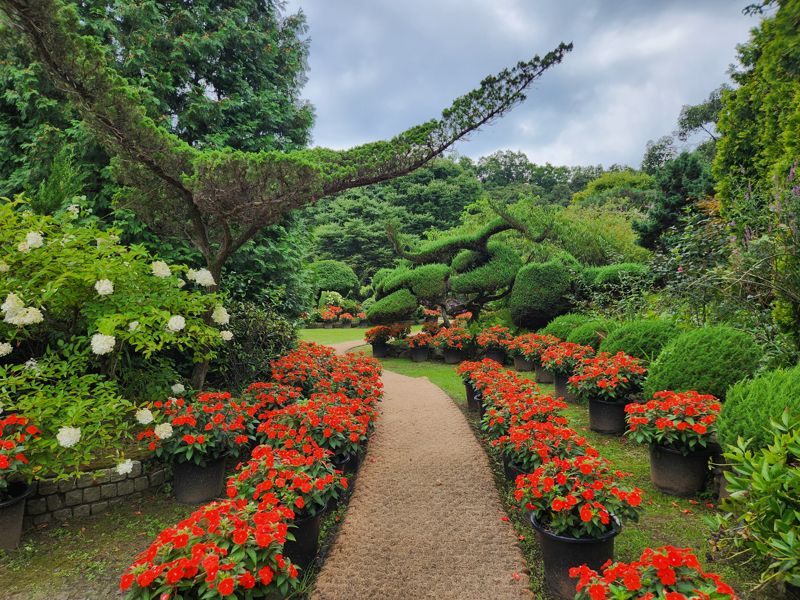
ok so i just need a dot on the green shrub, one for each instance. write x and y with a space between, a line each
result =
540 293
708 360
643 338
498 272
751 404
613 275
333 275
464 260
592 333
428 282
563 325
397 306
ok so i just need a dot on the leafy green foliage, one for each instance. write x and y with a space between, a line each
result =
609 276
592 333
334 276
708 360
642 338
494 274
397 306
618 188
540 293
563 325
753 403
427 282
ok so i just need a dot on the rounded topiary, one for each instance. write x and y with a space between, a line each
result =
563 325
397 306
428 282
592 333
334 276
496 273
613 275
708 360
644 338
751 404
540 292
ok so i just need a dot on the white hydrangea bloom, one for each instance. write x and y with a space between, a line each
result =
34 239
68 436
133 325
5 348
176 323
23 247
104 287
4 268
26 316
103 344
74 210
163 431
12 304
125 467
31 363
201 277
181 282
220 316
178 389
144 416
160 269
226 335
107 241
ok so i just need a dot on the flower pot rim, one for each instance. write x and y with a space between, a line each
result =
205 464
27 490
696 452
303 520
616 528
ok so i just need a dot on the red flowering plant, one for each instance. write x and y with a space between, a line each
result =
608 377
361 315
304 367
462 317
346 317
580 497
231 549
330 313
530 346
302 479
511 402
531 444
270 395
454 338
15 432
377 334
682 421
420 340
495 337
666 573
430 314
564 357
200 431
431 327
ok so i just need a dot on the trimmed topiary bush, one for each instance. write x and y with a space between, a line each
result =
540 293
643 338
750 405
563 325
498 272
397 306
592 333
613 275
333 275
708 360
428 282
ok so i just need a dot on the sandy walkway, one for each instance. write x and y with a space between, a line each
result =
425 518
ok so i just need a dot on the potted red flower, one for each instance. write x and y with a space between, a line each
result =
670 573
15 431
608 382
576 507
472 372
378 337
527 351
561 360
493 342
329 314
454 342
197 436
430 316
346 319
419 345
679 426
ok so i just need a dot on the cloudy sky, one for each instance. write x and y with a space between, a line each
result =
380 66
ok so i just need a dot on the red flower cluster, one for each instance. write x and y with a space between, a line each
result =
455 337
608 377
531 444
664 573
563 357
330 313
463 317
530 346
346 317
420 340
495 337
428 313
383 333
15 431
679 420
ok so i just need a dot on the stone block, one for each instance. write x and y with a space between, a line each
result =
158 477
137 470
108 490
85 481
36 506
99 507
42 519
66 485
115 501
91 494
141 483
65 514
82 511
73 497
125 487
47 487
54 502
103 476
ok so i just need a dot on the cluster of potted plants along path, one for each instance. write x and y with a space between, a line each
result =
575 500
300 437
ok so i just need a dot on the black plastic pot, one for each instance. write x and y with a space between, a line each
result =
346 324
791 592
380 349
542 374
453 355
347 463
607 417
419 354
511 470
194 484
328 326
496 355
677 474
561 553
473 401
560 383
11 513
522 364
303 550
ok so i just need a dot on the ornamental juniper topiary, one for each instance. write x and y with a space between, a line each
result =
540 293
397 306
709 360
334 276
643 338
592 333
563 325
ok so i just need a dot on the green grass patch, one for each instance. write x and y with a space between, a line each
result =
335 336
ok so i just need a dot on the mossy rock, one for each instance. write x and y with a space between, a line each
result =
643 338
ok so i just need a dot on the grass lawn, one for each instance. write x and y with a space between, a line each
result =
666 520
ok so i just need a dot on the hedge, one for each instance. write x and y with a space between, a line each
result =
644 338
592 333
708 360
397 306
333 275
613 275
563 325
751 404
540 293
498 272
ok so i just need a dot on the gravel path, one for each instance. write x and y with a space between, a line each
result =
425 518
